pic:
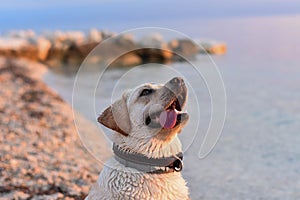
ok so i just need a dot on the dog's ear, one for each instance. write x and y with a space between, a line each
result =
116 117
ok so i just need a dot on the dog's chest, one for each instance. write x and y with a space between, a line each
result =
118 182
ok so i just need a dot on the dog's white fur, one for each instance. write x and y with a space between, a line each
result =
119 182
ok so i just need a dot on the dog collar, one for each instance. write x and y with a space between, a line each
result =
149 165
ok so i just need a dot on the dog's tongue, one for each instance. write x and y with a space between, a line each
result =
167 119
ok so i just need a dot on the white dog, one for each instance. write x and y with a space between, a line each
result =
148 154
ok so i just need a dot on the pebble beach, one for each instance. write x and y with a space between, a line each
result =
41 156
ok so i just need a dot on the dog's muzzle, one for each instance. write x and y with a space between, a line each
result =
174 97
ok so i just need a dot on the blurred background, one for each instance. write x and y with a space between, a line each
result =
257 155
122 15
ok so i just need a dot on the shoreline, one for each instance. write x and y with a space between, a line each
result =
42 156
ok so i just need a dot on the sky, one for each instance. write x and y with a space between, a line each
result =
75 14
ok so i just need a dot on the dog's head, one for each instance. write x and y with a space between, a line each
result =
149 111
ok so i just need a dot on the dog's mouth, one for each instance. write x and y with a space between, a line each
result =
168 118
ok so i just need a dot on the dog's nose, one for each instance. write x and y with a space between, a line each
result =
176 81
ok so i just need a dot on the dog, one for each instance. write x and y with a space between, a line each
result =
147 152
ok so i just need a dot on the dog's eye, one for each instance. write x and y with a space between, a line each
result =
146 92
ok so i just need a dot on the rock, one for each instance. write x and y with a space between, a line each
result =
25 34
72 47
94 36
184 47
12 44
73 55
107 34
125 41
154 40
55 57
154 55
77 37
43 46
17 47
85 49
212 47
130 59
110 51
58 53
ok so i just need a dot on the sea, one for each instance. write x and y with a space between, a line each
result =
256 155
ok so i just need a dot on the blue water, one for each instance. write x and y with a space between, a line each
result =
258 154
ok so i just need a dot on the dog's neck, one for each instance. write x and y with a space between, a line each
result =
152 147
149 165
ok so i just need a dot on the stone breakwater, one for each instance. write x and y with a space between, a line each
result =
41 156
71 47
